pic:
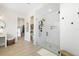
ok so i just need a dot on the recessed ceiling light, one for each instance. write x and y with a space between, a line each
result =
50 10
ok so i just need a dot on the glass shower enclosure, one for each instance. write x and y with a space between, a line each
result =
48 35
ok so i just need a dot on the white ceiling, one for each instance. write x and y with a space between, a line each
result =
23 8
26 8
49 8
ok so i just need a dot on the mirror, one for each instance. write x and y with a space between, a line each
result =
2 26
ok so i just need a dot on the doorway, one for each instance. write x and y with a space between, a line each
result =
32 29
20 28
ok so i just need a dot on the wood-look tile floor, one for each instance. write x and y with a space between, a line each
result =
21 48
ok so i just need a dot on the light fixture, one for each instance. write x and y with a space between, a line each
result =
58 12
50 10
0 17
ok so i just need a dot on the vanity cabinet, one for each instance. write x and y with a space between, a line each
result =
3 40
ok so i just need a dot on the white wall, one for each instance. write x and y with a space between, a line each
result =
69 38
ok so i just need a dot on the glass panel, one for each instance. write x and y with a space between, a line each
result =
49 34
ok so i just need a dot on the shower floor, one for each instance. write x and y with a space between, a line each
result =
44 52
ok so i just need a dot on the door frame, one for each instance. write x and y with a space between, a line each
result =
17 28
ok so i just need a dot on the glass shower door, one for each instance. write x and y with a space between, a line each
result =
49 38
